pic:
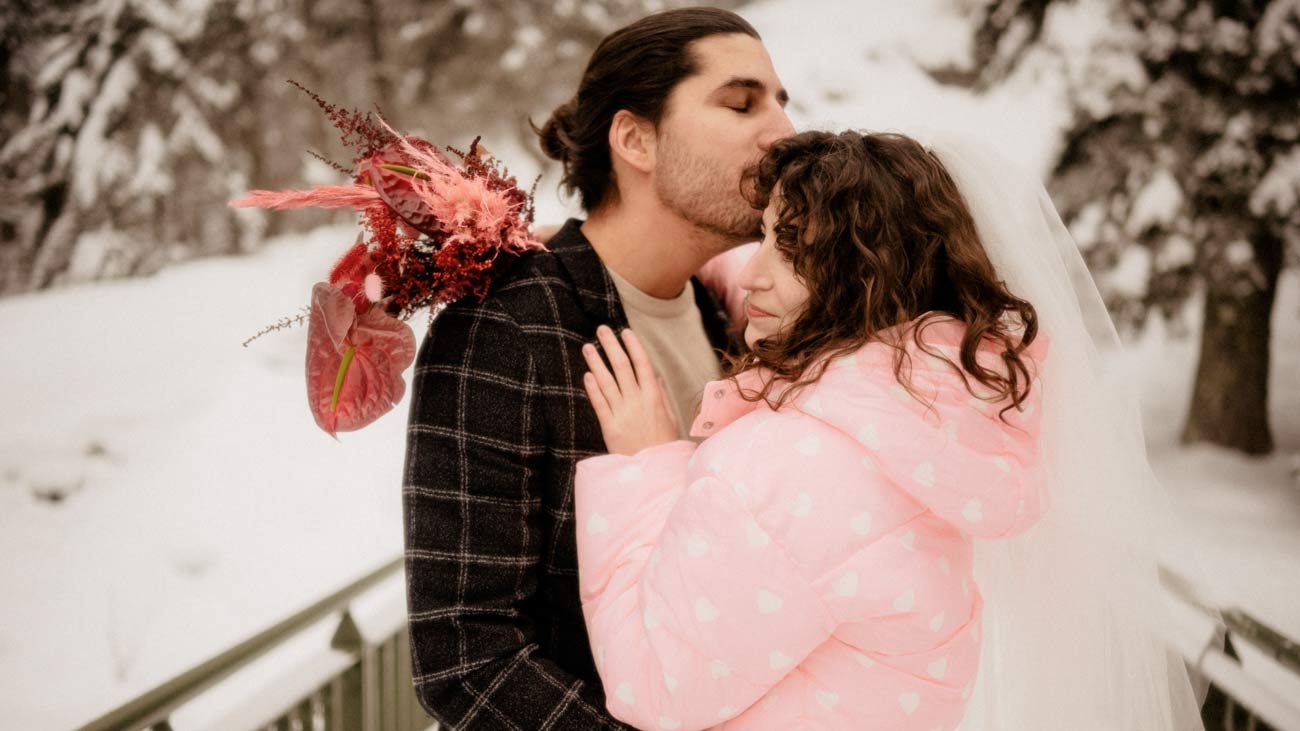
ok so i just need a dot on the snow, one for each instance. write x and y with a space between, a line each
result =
1088 227
1130 276
200 503
151 177
183 19
1157 204
1278 192
92 258
1241 514
1277 30
99 161
871 80
1175 251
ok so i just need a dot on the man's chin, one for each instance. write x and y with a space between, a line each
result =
737 232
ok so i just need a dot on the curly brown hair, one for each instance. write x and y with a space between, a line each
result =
880 235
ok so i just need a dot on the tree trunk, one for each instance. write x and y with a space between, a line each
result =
1230 396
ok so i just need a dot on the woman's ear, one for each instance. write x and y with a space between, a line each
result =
632 140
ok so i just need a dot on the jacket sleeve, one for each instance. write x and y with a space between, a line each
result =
472 534
688 601
956 455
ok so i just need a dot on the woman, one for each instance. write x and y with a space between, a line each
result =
813 563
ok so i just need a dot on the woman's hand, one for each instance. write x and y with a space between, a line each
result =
630 403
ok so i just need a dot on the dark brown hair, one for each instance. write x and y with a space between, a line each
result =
880 235
634 68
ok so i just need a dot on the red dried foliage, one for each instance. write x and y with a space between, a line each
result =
359 130
424 252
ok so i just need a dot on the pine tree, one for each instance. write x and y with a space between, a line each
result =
126 125
1181 172
124 154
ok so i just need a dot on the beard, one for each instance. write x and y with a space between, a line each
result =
703 192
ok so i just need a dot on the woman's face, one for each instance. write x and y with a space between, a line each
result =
776 294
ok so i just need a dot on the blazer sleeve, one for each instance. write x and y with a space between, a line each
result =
472 528
694 610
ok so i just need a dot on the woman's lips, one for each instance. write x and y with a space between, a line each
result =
752 312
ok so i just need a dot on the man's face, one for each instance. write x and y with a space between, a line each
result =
716 124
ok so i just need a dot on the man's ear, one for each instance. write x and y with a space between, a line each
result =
632 140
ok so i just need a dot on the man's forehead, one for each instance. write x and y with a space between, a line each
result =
734 60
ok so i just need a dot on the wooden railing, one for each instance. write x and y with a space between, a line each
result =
1253 671
344 664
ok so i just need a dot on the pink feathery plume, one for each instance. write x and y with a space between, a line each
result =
321 196
455 198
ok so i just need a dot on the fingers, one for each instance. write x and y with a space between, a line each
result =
598 401
645 370
665 406
618 360
600 374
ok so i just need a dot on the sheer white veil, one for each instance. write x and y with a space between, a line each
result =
1073 606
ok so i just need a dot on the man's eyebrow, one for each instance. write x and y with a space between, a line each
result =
739 82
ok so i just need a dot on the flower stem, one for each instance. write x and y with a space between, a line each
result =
405 170
343 372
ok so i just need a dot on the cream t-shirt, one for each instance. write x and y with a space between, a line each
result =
672 332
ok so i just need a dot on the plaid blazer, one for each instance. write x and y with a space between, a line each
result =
498 421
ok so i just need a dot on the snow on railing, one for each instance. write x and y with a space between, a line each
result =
1252 670
343 663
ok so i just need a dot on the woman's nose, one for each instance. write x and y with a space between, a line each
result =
752 277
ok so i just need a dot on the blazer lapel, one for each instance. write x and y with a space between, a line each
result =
596 293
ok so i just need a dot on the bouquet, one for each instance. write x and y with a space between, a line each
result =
433 232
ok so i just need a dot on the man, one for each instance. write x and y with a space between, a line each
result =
670 111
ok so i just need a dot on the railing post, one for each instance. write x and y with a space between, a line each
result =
349 689
370 688
405 688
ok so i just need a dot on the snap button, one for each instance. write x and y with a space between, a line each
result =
707 425
719 393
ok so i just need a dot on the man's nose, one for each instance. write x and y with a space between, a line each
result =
778 128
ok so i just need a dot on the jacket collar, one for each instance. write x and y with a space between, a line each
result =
596 292
723 404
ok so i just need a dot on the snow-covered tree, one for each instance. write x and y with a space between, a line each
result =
1181 170
126 145
128 124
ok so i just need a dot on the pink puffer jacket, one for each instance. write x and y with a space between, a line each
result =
807 568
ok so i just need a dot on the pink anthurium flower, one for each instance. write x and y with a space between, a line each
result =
354 360
433 232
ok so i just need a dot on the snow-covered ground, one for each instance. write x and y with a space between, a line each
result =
201 504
